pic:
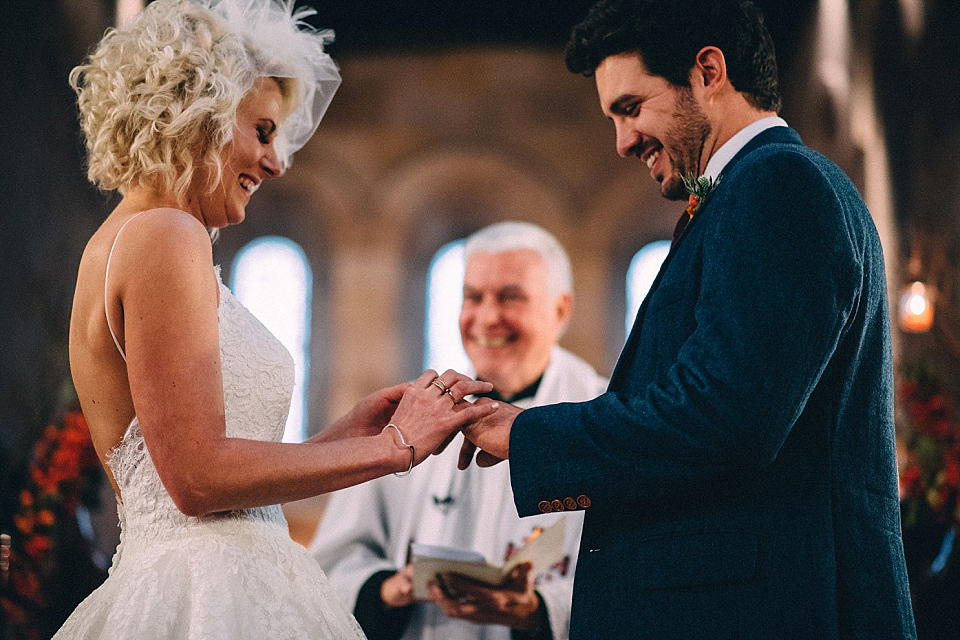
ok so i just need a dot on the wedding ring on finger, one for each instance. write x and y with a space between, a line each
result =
450 393
439 384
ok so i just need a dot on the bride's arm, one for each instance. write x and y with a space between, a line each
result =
169 296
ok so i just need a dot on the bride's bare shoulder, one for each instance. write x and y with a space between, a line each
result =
161 224
156 234
166 224
153 248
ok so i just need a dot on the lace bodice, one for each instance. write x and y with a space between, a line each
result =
258 377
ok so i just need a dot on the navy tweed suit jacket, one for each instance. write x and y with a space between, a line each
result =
740 471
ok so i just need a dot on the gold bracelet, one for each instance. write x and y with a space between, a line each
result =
413 453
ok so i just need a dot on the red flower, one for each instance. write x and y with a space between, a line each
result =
932 416
14 614
909 389
932 469
37 545
57 479
951 470
27 585
911 482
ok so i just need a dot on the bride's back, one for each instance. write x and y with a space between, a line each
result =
122 279
99 371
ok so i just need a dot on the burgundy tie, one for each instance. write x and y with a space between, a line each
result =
685 217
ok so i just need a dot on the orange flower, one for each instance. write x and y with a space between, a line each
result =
45 517
692 204
23 523
26 498
44 481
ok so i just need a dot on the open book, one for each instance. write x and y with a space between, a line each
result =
542 550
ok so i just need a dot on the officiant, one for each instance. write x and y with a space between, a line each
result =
518 298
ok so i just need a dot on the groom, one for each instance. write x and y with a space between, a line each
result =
739 476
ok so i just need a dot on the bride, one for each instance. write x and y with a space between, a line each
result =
185 112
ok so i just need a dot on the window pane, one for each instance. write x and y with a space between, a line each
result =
271 278
642 272
444 350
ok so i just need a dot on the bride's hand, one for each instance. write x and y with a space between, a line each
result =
369 416
433 408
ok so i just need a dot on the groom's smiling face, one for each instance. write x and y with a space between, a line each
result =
661 124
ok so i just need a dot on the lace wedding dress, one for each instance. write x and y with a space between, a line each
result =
225 576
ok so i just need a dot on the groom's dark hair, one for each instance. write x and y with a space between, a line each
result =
668 34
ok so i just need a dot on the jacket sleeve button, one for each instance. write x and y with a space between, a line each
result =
583 501
570 503
557 505
545 506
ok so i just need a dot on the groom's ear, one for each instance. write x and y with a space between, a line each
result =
709 73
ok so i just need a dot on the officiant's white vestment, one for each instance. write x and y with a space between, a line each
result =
367 528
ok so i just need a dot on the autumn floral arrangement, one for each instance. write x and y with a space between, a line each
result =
930 473
63 474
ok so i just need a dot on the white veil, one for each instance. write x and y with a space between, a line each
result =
282 45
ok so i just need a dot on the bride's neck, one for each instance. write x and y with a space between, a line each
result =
139 197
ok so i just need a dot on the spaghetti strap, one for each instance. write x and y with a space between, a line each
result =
106 277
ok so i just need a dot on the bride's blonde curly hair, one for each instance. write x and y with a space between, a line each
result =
158 99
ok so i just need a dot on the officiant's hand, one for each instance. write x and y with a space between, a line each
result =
397 590
514 604
491 434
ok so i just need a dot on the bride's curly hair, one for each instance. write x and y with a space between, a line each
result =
158 99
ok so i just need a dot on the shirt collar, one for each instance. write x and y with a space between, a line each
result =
725 153
527 392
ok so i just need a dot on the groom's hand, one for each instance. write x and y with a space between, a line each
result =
491 434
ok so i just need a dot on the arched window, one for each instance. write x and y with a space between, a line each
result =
443 349
642 272
272 278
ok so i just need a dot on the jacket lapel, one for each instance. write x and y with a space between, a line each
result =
773 135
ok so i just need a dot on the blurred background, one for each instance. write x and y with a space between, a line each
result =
453 115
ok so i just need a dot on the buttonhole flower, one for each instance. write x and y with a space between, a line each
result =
700 189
